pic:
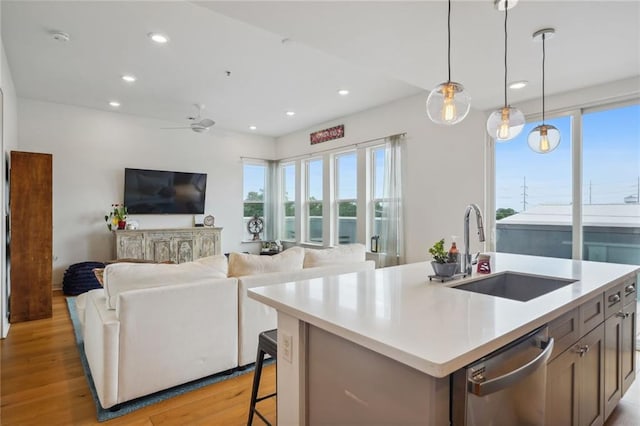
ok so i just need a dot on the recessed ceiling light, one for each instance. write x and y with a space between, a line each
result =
129 78
158 38
499 4
252 127
114 104
60 36
518 84
290 113
343 92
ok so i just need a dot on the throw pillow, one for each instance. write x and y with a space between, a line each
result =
347 253
241 264
119 277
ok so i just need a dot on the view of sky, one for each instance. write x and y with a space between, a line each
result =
611 162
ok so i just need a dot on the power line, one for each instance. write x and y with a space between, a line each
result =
524 194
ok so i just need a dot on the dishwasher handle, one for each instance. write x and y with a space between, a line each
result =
482 388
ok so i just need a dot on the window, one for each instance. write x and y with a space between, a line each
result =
288 225
254 184
534 195
313 196
611 184
346 197
537 197
377 189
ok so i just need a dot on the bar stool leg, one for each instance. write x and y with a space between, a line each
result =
256 384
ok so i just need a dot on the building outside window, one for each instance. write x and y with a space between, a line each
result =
531 191
536 197
346 179
611 184
313 200
288 200
254 196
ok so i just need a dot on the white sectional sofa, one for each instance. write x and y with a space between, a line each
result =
154 326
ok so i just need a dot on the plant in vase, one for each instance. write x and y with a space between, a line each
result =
443 264
117 217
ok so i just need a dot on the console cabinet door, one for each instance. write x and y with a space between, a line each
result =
129 246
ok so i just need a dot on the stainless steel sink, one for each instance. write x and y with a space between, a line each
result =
514 286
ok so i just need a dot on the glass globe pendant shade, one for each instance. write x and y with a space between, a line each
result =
544 138
448 103
505 123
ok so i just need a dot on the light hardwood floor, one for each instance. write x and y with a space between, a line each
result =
42 382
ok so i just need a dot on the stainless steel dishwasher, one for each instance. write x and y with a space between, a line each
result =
507 387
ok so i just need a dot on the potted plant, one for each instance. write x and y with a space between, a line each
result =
443 265
117 217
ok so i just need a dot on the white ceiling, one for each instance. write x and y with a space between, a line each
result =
380 51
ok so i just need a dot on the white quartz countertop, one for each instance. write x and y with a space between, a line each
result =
426 324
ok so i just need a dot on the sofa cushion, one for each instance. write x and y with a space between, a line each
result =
241 264
346 253
119 277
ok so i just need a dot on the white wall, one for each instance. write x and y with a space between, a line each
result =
602 94
90 150
444 166
9 140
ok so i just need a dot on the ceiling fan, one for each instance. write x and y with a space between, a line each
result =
198 124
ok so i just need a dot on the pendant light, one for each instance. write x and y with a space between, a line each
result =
545 137
507 122
448 103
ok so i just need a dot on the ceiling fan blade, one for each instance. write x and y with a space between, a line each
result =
206 122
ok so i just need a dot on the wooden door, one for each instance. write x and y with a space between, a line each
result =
31 224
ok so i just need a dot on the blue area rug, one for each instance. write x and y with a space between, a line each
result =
136 404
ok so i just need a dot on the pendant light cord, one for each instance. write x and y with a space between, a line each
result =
543 58
449 40
506 9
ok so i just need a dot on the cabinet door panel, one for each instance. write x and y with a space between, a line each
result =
184 250
591 378
612 369
591 314
562 390
628 353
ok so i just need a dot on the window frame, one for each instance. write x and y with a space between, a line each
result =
336 200
282 203
576 115
306 231
255 162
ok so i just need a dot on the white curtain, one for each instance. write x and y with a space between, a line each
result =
271 205
392 223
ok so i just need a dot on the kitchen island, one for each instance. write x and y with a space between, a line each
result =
408 334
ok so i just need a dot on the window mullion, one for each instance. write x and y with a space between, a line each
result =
576 208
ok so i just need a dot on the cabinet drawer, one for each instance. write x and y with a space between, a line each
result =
591 314
613 300
565 331
629 292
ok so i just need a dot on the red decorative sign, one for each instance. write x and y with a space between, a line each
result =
327 134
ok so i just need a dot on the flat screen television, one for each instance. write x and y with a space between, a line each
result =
164 192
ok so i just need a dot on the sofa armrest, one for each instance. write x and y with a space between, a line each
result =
255 317
173 334
101 347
